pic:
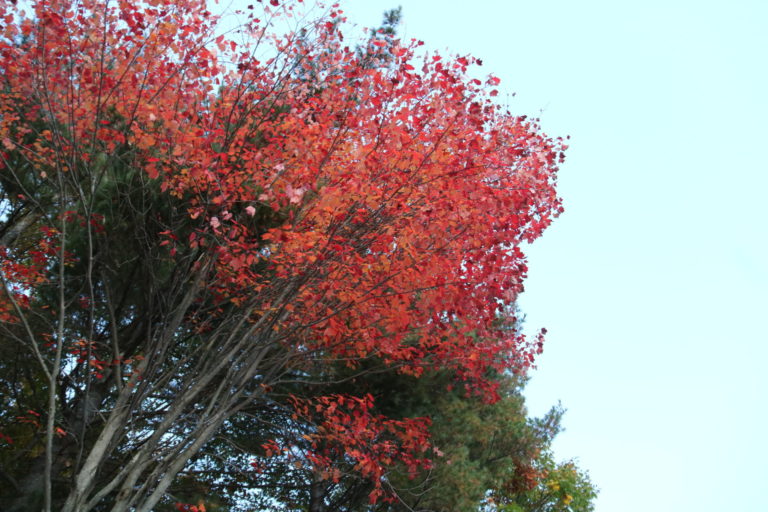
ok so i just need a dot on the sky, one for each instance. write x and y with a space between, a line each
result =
652 283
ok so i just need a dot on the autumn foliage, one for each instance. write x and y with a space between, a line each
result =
197 224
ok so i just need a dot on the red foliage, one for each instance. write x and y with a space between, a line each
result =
346 428
404 191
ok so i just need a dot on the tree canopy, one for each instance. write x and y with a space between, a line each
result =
242 257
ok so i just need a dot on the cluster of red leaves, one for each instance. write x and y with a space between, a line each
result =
347 429
186 507
404 191
406 196
5 439
524 478
87 351
23 273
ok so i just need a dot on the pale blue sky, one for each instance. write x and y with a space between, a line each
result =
653 282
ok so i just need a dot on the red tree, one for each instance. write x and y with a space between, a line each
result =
189 225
